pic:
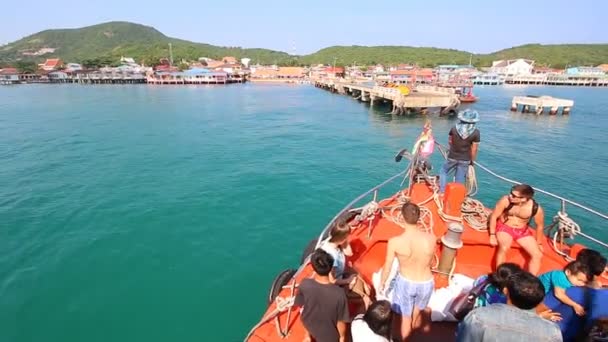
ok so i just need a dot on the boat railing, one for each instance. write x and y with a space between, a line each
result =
563 225
350 205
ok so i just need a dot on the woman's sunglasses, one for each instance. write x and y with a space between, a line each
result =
515 196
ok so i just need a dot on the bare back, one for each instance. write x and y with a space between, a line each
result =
414 249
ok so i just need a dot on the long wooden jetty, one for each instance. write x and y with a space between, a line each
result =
418 100
556 80
541 104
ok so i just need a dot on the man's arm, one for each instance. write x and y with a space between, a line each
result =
299 301
341 330
339 281
474 148
450 138
388 263
343 316
475 145
307 337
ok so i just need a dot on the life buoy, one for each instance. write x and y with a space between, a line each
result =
277 285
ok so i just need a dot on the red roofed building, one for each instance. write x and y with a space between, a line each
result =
412 76
165 68
229 60
8 71
213 63
9 76
604 67
334 72
51 64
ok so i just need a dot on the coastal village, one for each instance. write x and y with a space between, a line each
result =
230 70
408 88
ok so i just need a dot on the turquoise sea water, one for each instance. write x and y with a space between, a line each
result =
139 213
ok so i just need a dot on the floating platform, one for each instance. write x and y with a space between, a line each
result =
418 100
541 104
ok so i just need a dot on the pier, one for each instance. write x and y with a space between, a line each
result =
541 104
558 80
404 100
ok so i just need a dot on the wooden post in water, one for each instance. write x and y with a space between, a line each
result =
553 110
539 110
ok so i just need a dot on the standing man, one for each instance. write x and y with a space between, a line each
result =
325 306
464 140
414 249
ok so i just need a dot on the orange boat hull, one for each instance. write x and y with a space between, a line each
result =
468 99
475 258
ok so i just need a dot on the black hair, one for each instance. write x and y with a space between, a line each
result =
593 259
525 290
503 274
322 262
524 190
576 267
379 318
410 212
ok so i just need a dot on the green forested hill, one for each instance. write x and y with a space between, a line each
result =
108 41
114 39
557 56
369 55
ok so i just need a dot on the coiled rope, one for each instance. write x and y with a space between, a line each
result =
282 304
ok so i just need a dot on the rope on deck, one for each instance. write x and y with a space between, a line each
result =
282 304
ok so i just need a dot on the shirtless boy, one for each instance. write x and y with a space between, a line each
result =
509 221
414 249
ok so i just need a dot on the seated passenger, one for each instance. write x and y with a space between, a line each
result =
514 321
596 263
595 303
414 284
493 292
375 325
558 281
338 247
598 331
510 221
325 307
497 281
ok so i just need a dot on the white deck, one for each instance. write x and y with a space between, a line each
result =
542 101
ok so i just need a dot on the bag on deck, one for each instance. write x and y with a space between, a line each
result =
465 302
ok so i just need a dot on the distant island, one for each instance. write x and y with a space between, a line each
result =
106 43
